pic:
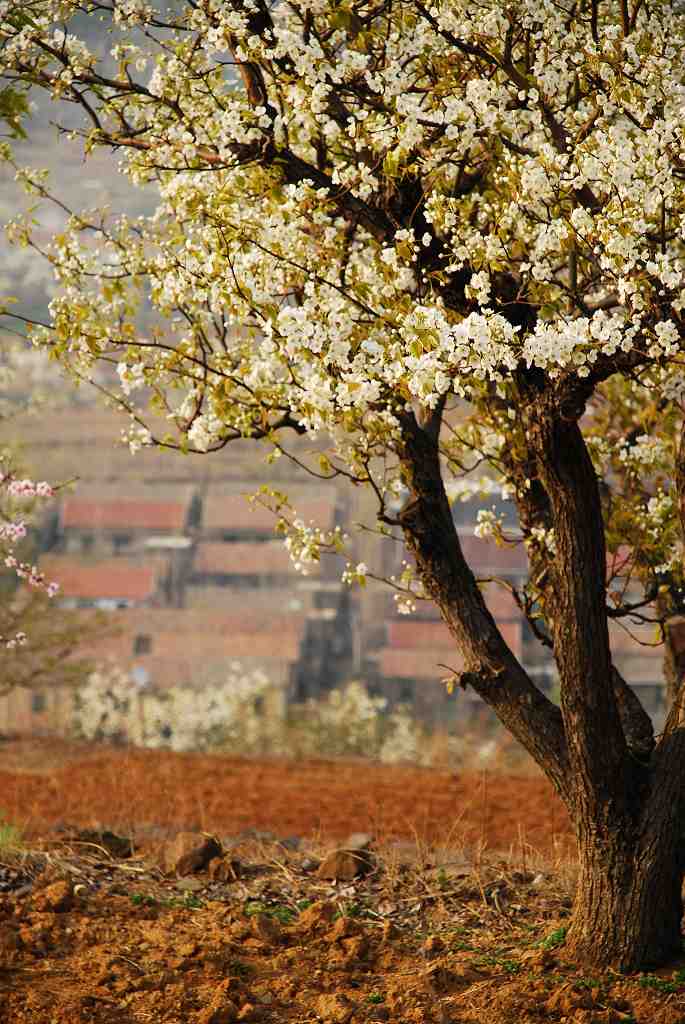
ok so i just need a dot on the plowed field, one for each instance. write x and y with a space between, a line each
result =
48 784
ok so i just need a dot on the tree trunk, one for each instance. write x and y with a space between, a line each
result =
628 906
625 793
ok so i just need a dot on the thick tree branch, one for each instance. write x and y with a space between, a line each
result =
492 669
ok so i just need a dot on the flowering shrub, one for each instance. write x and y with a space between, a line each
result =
346 721
111 707
236 716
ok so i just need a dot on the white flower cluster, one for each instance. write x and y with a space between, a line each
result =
355 574
305 543
466 488
658 512
489 523
543 538
404 604
645 454
18 640
13 532
348 721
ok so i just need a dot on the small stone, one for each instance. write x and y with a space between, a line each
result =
334 1008
56 898
226 1014
224 869
309 864
266 929
344 865
190 852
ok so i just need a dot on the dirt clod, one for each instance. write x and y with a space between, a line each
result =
316 917
55 898
345 865
334 1008
221 1008
189 852
432 947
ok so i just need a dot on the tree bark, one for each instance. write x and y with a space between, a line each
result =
628 908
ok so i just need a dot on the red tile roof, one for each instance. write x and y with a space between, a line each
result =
123 514
110 579
234 512
263 558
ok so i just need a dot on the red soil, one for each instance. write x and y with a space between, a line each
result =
44 785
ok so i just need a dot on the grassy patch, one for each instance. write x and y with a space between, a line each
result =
279 911
11 837
553 940
653 981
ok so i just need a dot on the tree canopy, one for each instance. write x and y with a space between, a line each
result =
372 210
441 240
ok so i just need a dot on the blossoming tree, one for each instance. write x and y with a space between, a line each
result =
436 237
